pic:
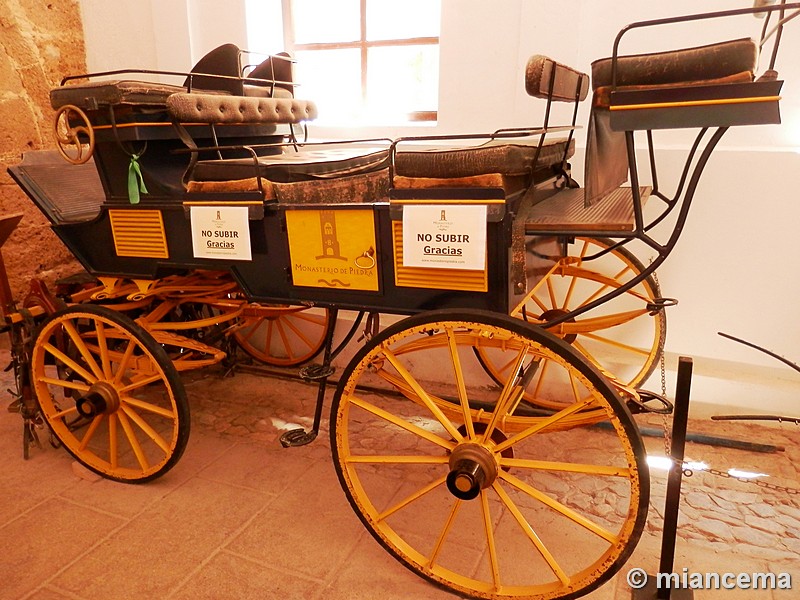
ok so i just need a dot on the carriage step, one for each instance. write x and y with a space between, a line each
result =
316 372
298 437
566 212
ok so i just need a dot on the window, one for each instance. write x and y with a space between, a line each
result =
361 61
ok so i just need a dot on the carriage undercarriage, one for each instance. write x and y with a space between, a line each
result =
528 324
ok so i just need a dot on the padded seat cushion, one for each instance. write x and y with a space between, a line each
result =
363 188
215 108
89 95
700 63
496 156
510 184
602 95
310 163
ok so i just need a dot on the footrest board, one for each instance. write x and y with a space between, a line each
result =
64 192
565 211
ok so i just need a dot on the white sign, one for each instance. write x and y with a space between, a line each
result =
446 236
220 232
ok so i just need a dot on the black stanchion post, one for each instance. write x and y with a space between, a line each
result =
680 422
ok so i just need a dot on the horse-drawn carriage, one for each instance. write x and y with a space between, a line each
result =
500 404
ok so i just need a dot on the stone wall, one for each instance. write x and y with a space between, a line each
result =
41 41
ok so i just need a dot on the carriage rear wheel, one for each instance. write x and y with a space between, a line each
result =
624 337
283 336
468 486
109 393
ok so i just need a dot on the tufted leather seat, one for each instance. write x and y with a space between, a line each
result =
217 108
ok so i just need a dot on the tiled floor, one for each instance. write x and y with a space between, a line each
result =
242 517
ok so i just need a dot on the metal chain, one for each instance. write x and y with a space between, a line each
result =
664 420
687 471
663 366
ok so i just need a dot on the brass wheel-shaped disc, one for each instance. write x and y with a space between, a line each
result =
283 335
74 134
467 486
621 337
109 393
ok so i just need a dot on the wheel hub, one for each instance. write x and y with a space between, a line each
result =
472 468
102 398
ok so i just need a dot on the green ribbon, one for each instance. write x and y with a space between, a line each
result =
135 180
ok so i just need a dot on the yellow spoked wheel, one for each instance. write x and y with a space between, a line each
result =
466 485
283 335
109 393
623 337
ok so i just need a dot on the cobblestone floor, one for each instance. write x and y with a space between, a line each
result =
720 516
241 517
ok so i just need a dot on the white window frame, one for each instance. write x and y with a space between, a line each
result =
362 44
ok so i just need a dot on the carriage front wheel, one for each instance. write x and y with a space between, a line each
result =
109 393
473 487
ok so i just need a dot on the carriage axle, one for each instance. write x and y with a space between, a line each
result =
101 399
472 468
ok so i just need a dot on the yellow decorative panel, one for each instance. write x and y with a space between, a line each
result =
333 249
433 278
139 233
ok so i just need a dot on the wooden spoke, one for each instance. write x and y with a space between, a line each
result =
87 437
69 363
526 527
561 508
411 498
422 394
133 441
85 354
400 422
490 541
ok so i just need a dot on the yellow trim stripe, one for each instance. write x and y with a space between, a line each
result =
696 103
226 203
460 201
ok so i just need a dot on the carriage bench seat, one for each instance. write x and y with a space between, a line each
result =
704 86
316 174
333 174
170 102
511 161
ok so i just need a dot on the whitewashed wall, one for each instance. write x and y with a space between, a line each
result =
736 266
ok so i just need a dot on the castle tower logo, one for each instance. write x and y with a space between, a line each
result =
330 242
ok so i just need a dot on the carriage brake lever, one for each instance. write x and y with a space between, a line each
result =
639 404
659 304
